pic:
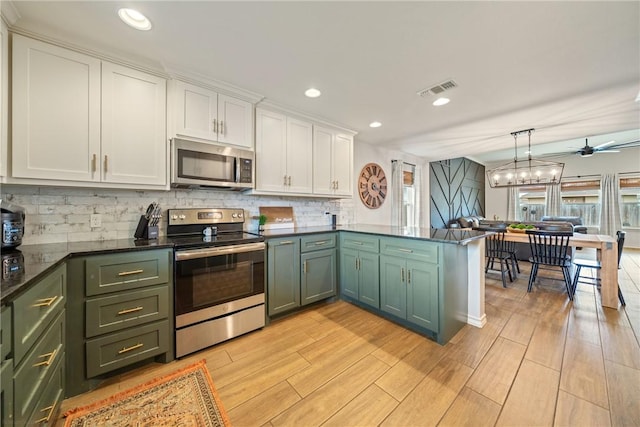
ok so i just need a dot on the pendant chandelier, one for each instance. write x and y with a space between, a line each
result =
525 172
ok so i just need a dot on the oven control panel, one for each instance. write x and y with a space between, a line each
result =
205 216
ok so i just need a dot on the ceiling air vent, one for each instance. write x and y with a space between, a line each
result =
439 88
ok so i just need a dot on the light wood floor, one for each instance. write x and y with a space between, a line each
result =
540 360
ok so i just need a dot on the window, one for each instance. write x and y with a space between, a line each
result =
582 198
408 196
630 201
531 202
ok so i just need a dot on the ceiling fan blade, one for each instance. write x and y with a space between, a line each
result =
603 145
607 151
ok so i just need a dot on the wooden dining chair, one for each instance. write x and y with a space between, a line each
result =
596 265
495 251
550 250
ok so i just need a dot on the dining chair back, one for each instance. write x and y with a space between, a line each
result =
495 250
550 249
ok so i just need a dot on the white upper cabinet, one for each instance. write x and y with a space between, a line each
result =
133 126
4 110
283 153
205 114
76 118
56 112
332 162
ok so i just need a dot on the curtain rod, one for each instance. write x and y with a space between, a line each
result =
599 175
406 163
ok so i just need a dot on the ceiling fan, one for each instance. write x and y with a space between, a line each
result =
607 147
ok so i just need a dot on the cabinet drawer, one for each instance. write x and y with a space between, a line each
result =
37 307
114 351
119 272
361 242
115 312
317 242
5 333
37 367
411 249
51 398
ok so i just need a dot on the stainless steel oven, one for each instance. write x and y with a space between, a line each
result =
219 278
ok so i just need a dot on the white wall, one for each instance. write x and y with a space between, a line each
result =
365 153
627 160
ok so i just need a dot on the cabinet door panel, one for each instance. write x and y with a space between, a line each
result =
322 161
393 291
234 121
349 273
318 275
283 280
196 109
422 288
271 151
56 112
343 164
369 286
133 126
299 156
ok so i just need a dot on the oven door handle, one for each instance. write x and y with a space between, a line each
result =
184 255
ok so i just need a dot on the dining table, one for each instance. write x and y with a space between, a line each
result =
606 252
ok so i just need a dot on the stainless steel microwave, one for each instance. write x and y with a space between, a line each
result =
199 164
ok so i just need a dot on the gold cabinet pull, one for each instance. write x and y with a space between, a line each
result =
337 184
129 310
48 417
129 273
106 163
49 356
405 250
322 242
408 276
215 126
304 267
402 274
127 349
45 302
286 242
285 180
94 162
221 127
289 181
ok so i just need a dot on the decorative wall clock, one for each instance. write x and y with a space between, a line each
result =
372 185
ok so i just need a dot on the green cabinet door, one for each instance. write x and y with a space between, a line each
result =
422 294
319 275
349 273
283 278
393 289
369 279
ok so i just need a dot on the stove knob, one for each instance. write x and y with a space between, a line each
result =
240 215
174 217
234 215
183 216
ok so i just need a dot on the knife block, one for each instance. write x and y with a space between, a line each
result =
144 230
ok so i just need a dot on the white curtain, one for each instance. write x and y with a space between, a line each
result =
396 192
512 203
553 200
417 184
610 221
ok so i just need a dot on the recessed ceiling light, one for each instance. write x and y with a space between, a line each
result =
441 101
375 124
134 19
312 93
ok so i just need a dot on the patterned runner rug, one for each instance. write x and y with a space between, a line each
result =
186 397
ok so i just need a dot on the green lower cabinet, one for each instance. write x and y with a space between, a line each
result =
283 278
349 273
422 294
393 286
409 290
319 275
359 276
6 393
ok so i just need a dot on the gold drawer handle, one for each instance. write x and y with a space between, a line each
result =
45 302
48 417
323 242
129 273
405 250
49 356
129 310
128 349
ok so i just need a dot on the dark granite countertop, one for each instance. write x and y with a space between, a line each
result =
42 258
455 236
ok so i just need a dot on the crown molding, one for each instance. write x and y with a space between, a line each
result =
270 105
9 12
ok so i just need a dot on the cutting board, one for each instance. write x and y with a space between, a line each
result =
277 217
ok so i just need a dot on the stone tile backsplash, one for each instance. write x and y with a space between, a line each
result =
62 214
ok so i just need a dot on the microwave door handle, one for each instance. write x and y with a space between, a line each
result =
237 160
